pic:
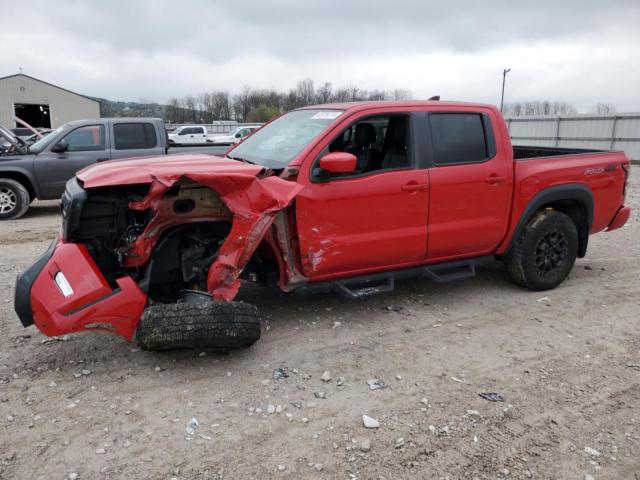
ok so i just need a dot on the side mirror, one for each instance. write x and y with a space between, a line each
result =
237 135
338 162
60 147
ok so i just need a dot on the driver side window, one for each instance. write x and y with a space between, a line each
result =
378 143
85 139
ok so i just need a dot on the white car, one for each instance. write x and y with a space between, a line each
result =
188 135
235 136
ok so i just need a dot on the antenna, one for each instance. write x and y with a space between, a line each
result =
435 98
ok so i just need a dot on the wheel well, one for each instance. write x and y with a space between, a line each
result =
166 267
23 179
577 212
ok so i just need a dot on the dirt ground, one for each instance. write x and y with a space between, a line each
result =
93 406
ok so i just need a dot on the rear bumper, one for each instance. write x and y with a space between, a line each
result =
620 218
65 292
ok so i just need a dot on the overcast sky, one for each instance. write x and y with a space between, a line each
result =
581 52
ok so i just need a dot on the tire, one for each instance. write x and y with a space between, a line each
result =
545 252
14 199
211 324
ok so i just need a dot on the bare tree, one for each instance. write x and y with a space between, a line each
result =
305 92
603 109
401 94
221 106
544 107
323 94
173 112
242 104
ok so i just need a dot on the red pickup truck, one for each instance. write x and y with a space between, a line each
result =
342 197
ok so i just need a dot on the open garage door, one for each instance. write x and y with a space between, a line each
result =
35 115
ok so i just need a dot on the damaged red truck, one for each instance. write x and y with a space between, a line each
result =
344 197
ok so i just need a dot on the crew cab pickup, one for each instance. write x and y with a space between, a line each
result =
343 197
189 135
42 169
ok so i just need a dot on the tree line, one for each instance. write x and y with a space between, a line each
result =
546 107
261 105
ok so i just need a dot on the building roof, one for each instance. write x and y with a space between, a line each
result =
47 83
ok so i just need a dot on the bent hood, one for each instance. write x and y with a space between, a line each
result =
12 139
166 169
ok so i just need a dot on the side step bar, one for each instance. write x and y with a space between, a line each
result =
366 285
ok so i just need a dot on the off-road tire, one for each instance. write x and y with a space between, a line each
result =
216 325
528 260
13 192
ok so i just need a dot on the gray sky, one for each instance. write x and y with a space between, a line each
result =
581 52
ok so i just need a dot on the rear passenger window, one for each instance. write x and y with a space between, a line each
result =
134 136
458 138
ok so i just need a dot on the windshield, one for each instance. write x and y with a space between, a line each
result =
277 143
46 140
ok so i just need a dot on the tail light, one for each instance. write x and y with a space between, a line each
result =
625 168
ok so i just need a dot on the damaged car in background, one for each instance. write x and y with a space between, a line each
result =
344 198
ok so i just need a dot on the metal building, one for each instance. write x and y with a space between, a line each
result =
41 104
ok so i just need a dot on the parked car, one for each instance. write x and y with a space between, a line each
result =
189 135
42 169
235 136
345 198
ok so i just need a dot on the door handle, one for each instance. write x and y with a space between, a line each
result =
414 187
493 179
102 159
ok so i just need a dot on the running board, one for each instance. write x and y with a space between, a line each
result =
367 285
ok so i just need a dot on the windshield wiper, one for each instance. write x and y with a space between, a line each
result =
240 159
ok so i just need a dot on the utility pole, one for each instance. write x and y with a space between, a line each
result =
504 78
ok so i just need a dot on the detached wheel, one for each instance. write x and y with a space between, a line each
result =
545 252
14 199
199 325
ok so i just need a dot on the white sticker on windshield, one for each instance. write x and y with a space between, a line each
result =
326 115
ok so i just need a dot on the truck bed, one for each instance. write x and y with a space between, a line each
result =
523 152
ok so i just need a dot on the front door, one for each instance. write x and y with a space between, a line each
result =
86 146
373 219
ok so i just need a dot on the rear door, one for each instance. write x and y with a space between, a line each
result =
87 145
134 139
471 185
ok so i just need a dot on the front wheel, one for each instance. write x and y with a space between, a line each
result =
14 199
204 325
545 252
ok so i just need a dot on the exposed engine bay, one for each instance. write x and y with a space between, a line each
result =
167 245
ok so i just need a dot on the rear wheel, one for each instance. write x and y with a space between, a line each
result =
545 252
14 199
199 325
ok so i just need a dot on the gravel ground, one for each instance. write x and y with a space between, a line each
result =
91 406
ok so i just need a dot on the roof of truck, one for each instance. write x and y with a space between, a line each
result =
397 104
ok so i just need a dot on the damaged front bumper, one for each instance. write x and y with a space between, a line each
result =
65 292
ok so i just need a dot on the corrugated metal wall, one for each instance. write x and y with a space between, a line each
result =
64 105
603 132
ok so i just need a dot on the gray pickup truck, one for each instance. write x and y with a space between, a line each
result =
41 170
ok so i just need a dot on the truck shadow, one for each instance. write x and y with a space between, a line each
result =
283 314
